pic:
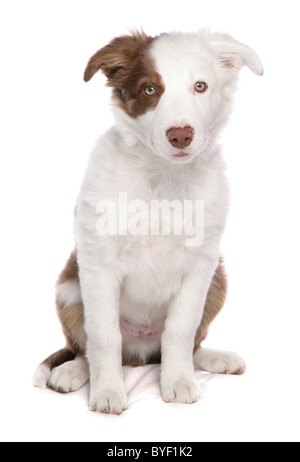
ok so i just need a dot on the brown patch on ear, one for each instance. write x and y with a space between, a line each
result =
214 303
129 68
117 56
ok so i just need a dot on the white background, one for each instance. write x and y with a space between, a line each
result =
50 120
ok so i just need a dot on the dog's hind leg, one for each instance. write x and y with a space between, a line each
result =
218 362
67 370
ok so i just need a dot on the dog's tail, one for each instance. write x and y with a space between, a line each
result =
42 373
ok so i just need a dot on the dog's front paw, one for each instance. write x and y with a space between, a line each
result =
182 390
110 400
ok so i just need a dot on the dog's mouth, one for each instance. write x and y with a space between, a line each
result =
181 154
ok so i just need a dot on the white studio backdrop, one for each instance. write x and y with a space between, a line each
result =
50 120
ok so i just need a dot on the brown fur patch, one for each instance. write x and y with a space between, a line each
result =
70 271
214 303
72 319
58 358
136 361
129 68
72 316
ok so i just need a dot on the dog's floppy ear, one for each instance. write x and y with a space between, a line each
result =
233 55
117 57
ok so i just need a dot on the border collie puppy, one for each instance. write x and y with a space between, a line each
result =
146 277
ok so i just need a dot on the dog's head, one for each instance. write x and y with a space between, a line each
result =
173 92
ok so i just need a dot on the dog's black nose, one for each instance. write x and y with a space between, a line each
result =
180 137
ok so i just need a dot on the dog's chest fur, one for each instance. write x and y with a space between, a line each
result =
151 267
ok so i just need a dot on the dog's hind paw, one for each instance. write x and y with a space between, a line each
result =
219 362
70 376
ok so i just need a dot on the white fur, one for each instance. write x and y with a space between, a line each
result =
218 362
147 278
41 376
68 293
70 376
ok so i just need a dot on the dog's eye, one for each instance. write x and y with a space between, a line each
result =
201 87
150 90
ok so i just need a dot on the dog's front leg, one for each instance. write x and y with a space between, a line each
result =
101 294
178 382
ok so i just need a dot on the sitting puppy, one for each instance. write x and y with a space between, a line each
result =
146 278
